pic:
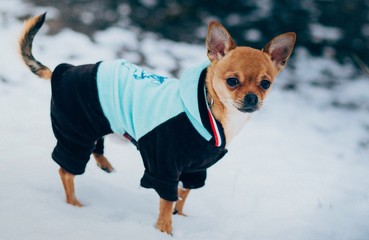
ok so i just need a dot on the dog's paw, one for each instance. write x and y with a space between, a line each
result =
103 163
178 212
164 226
74 202
106 169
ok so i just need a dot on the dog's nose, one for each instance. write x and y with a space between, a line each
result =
251 100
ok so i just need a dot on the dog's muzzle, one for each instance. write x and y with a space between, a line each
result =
250 103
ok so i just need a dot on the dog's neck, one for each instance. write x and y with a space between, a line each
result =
231 120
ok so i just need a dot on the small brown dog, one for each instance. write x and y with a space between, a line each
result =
181 127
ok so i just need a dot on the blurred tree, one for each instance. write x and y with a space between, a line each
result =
336 27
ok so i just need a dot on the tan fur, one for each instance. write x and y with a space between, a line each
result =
103 163
31 27
68 184
250 66
182 196
164 222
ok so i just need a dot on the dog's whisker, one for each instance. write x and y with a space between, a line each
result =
230 102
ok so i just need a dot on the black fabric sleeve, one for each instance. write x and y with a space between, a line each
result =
76 115
174 151
165 188
165 153
193 180
99 146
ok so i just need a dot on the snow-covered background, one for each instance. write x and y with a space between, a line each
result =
298 170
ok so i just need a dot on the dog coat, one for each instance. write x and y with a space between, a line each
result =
176 134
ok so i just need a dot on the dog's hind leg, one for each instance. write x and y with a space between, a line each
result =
182 196
101 160
103 163
68 184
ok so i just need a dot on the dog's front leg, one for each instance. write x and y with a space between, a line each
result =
164 223
68 184
182 196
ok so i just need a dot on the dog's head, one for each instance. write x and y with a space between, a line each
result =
243 76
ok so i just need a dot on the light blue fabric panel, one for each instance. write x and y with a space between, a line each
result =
136 101
189 82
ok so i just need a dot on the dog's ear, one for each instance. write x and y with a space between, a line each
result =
218 41
280 49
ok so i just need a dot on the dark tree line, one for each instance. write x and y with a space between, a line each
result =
185 20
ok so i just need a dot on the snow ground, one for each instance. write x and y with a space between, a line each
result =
298 170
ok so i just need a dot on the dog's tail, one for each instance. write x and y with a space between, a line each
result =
31 27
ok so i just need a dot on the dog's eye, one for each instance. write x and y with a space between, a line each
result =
265 84
233 82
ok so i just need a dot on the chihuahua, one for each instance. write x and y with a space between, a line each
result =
180 127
